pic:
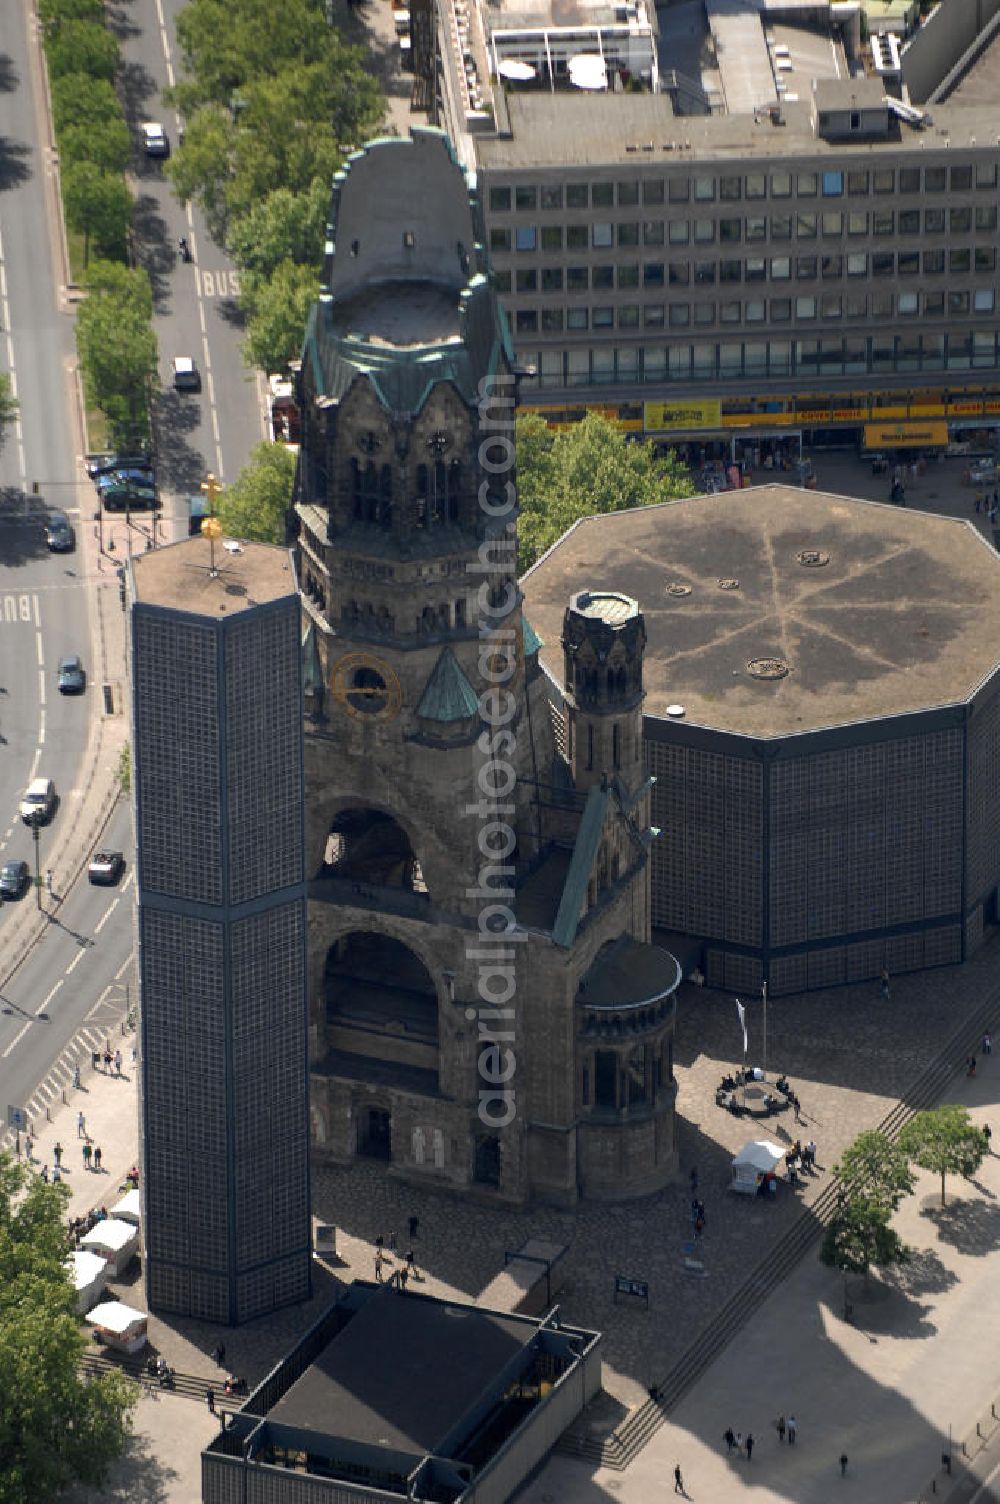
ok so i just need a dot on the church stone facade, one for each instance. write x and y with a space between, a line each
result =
486 1010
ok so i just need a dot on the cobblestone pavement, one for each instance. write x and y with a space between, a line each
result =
849 1055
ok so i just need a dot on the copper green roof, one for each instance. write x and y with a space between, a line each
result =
448 696
532 641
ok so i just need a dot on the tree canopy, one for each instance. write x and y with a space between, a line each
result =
105 143
54 14
83 47
8 405
255 506
566 474
284 226
945 1141
117 348
277 308
56 1428
98 205
876 1175
79 100
875 1167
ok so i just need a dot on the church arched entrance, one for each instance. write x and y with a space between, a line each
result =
368 847
381 1012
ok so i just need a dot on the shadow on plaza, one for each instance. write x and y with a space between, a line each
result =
137 1477
22 529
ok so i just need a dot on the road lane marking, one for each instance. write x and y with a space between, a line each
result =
42 1006
41 688
38 620
16 1040
124 966
128 882
75 961
98 927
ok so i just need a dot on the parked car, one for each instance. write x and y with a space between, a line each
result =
154 139
14 879
106 867
59 534
72 676
127 475
130 497
39 801
106 461
187 377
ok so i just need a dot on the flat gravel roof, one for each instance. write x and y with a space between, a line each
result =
181 576
847 610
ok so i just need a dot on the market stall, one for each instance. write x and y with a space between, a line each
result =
90 1275
114 1240
119 1326
758 1159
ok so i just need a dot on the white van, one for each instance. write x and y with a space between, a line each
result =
39 801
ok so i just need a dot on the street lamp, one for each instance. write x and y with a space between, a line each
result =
35 835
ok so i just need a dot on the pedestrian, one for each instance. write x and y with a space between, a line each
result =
987 1135
678 1480
781 1428
76 1078
45 1173
987 1043
219 1355
749 1446
409 1262
81 1125
118 1062
979 502
28 1146
729 1438
57 1152
843 1464
811 1153
793 1430
404 1275
884 984
134 1056
56 1176
48 880
378 1243
971 1071
108 1057
699 1226
798 1107
86 1156
392 1240
694 1181
378 1267
210 1399
97 1157
739 1441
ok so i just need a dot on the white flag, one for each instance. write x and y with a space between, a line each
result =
743 1022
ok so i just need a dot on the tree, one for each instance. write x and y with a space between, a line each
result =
859 1236
254 507
117 349
98 205
105 143
55 13
8 405
201 168
83 47
589 468
875 1167
277 309
945 1142
56 1428
284 226
79 100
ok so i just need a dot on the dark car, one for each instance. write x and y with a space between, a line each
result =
106 461
14 879
72 676
106 867
121 497
59 534
140 476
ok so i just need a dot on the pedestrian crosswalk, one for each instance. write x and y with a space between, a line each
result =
78 1055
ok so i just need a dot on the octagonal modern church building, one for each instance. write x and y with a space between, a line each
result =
486 1009
822 719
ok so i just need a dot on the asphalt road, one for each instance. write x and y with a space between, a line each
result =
43 599
79 975
196 311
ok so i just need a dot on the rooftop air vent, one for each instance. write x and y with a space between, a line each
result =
767 668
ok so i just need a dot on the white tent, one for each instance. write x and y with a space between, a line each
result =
116 1241
757 1158
128 1209
90 1274
119 1325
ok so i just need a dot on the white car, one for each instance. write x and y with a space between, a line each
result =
154 139
39 801
186 375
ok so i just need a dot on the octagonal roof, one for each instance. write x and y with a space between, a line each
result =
775 610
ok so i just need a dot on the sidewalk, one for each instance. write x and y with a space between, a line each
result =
917 1357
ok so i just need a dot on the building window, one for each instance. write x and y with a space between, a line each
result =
652 232
730 311
526 281
602 195
756 185
526 321
781 227
601 235
652 191
857 182
781 310
805 308
756 269
679 274
628 316
960 221
986 217
960 261
577 238
602 278
986 258
857 264
961 178
577 279
934 305
552 237
499 239
552 320
831 306
552 196
781 185
958 302
756 227
909 180
781 268
704 231
704 313
933 263
616 745
906 303
909 221
499 200
984 300
857 223
552 279
652 274
704 190
833 224
501 281
730 271
986 174
628 234
933 221
577 196
884 180
934 180
882 264
832 267
730 231
678 232
678 190
754 311
652 315
833 184
602 317
605 1079
883 222
730 188
577 318
680 315
525 237
856 305
805 226
628 275
628 194
525 198
807 184
806 268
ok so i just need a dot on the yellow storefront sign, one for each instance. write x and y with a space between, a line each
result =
688 415
905 435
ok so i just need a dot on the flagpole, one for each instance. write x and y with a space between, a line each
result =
763 988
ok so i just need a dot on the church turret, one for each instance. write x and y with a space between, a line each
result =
604 638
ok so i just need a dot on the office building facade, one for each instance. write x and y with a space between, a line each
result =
218 779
